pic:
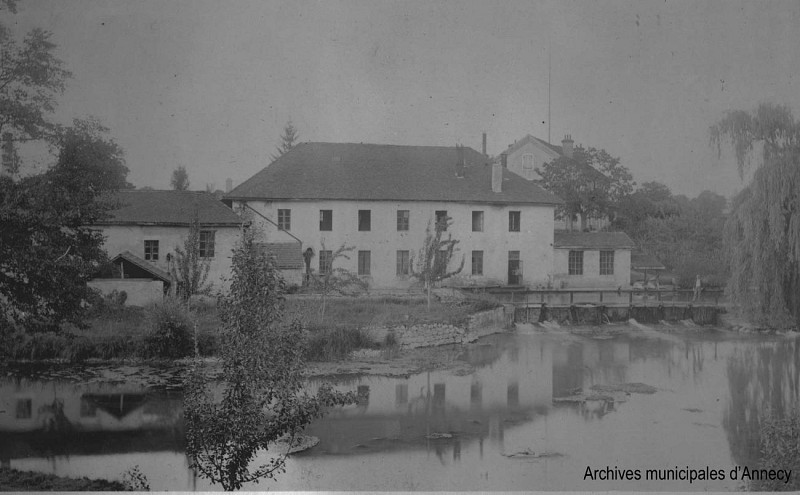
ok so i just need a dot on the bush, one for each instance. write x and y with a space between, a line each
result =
780 449
330 344
170 332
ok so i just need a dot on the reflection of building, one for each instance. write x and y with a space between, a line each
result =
49 418
514 387
579 366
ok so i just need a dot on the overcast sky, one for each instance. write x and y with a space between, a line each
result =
210 84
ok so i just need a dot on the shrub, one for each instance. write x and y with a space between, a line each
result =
170 332
780 449
336 342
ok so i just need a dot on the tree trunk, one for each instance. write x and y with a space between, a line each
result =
429 296
583 221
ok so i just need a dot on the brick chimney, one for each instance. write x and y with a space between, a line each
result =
566 146
484 144
497 174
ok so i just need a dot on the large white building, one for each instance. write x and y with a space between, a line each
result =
380 199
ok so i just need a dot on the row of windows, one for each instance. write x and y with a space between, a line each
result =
403 262
403 220
151 247
575 262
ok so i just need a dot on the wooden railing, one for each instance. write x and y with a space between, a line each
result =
608 297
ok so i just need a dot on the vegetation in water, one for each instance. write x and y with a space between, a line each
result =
260 401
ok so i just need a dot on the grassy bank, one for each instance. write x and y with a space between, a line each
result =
166 330
19 481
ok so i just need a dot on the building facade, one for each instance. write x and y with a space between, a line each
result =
380 200
592 259
143 233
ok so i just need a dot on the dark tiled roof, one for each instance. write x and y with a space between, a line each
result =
593 240
385 172
171 208
644 261
287 254
144 265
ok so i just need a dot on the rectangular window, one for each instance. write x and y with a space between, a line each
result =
151 250
363 262
441 218
513 221
403 263
325 260
477 262
24 408
403 217
326 220
606 262
477 221
207 243
364 220
576 262
284 219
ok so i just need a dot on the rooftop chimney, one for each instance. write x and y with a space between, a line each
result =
484 144
566 146
460 164
228 185
497 175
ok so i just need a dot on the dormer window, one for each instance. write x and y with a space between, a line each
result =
528 165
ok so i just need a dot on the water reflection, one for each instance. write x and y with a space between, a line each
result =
444 430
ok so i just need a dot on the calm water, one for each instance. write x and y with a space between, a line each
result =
712 391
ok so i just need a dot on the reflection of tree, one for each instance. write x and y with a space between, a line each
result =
760 379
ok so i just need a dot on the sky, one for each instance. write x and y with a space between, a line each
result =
209 84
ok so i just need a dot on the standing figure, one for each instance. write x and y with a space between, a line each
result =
698 286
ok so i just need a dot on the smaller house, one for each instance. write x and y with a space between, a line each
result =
142 234
592 259
526 155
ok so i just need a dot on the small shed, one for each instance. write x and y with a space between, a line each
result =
645 263
143 282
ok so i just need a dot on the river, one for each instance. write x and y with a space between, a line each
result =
500 423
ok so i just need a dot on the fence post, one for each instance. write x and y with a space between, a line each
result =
630 297
601 296
571 297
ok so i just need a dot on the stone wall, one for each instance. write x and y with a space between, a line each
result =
433 334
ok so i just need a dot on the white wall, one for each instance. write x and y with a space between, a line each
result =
540 157
120 238
534 241
591 270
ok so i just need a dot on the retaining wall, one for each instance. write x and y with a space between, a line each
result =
433 334
597 315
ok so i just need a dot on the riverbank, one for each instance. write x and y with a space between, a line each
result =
13 480
166 331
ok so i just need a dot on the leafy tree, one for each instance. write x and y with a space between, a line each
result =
288 140
31 78
49 250
592 183
190 270
180 179
260 399
337 279
762 234
435 256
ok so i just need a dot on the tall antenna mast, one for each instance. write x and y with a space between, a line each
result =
549 70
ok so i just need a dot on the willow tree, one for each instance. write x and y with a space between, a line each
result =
762 234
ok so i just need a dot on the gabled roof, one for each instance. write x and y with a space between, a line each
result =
287 254
532 139
592 240
346 171
177 208
557 152
150 268
644 261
